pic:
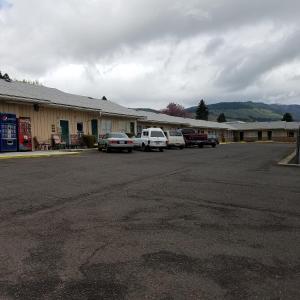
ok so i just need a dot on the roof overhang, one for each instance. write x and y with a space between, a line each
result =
24 100
110 114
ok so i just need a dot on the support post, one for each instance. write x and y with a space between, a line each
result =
298 147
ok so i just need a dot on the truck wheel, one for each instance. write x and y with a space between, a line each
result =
200 146
143 148
161 149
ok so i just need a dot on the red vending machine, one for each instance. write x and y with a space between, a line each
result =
24 134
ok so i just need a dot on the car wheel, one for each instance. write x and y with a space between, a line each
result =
200 145
143 148
213 145
181 147
129 150
161 149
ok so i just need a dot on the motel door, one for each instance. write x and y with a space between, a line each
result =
64 125
95 128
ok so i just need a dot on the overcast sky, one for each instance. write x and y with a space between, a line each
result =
146 53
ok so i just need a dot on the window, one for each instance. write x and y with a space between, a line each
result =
291 134
157 134
106 126
175 133
80 127
117 135
145 133
53 128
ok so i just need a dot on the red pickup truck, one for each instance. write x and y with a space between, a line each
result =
192 138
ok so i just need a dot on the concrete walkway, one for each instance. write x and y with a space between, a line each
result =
35 154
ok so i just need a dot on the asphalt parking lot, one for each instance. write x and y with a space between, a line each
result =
206 223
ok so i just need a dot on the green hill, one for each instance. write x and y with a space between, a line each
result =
250 111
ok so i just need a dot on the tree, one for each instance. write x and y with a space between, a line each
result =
287 117
221 118
5 77
202 111
174 109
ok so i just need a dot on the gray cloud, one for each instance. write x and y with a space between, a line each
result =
247 66
146 53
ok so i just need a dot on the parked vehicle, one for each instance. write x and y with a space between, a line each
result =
213 138
115 141
151 138
192 138
175 139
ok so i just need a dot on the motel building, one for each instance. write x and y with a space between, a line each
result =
279 131
48 112
53 112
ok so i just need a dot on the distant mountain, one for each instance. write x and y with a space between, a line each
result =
148 109
250 111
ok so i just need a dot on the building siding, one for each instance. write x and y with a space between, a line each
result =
46 118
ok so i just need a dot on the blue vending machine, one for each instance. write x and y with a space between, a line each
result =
8 132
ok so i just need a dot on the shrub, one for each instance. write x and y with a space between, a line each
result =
130 135
89 140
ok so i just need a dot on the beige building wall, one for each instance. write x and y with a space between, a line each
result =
279 135
46 121
117 124
142 125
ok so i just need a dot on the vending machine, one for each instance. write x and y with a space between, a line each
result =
8 132
24 134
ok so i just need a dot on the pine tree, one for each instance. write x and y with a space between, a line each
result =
202 111
221 118
6 77
287 117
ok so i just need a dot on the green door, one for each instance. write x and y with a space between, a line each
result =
64 125
95 128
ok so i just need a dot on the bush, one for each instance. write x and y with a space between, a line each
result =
89 140
130 135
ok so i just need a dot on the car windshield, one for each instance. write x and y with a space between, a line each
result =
175 133
118 135
157 134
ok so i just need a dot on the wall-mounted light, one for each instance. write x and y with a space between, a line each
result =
36 107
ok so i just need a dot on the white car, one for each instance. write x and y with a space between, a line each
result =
150 138
175 139
115 141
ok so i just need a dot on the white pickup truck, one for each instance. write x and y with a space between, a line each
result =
150 138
